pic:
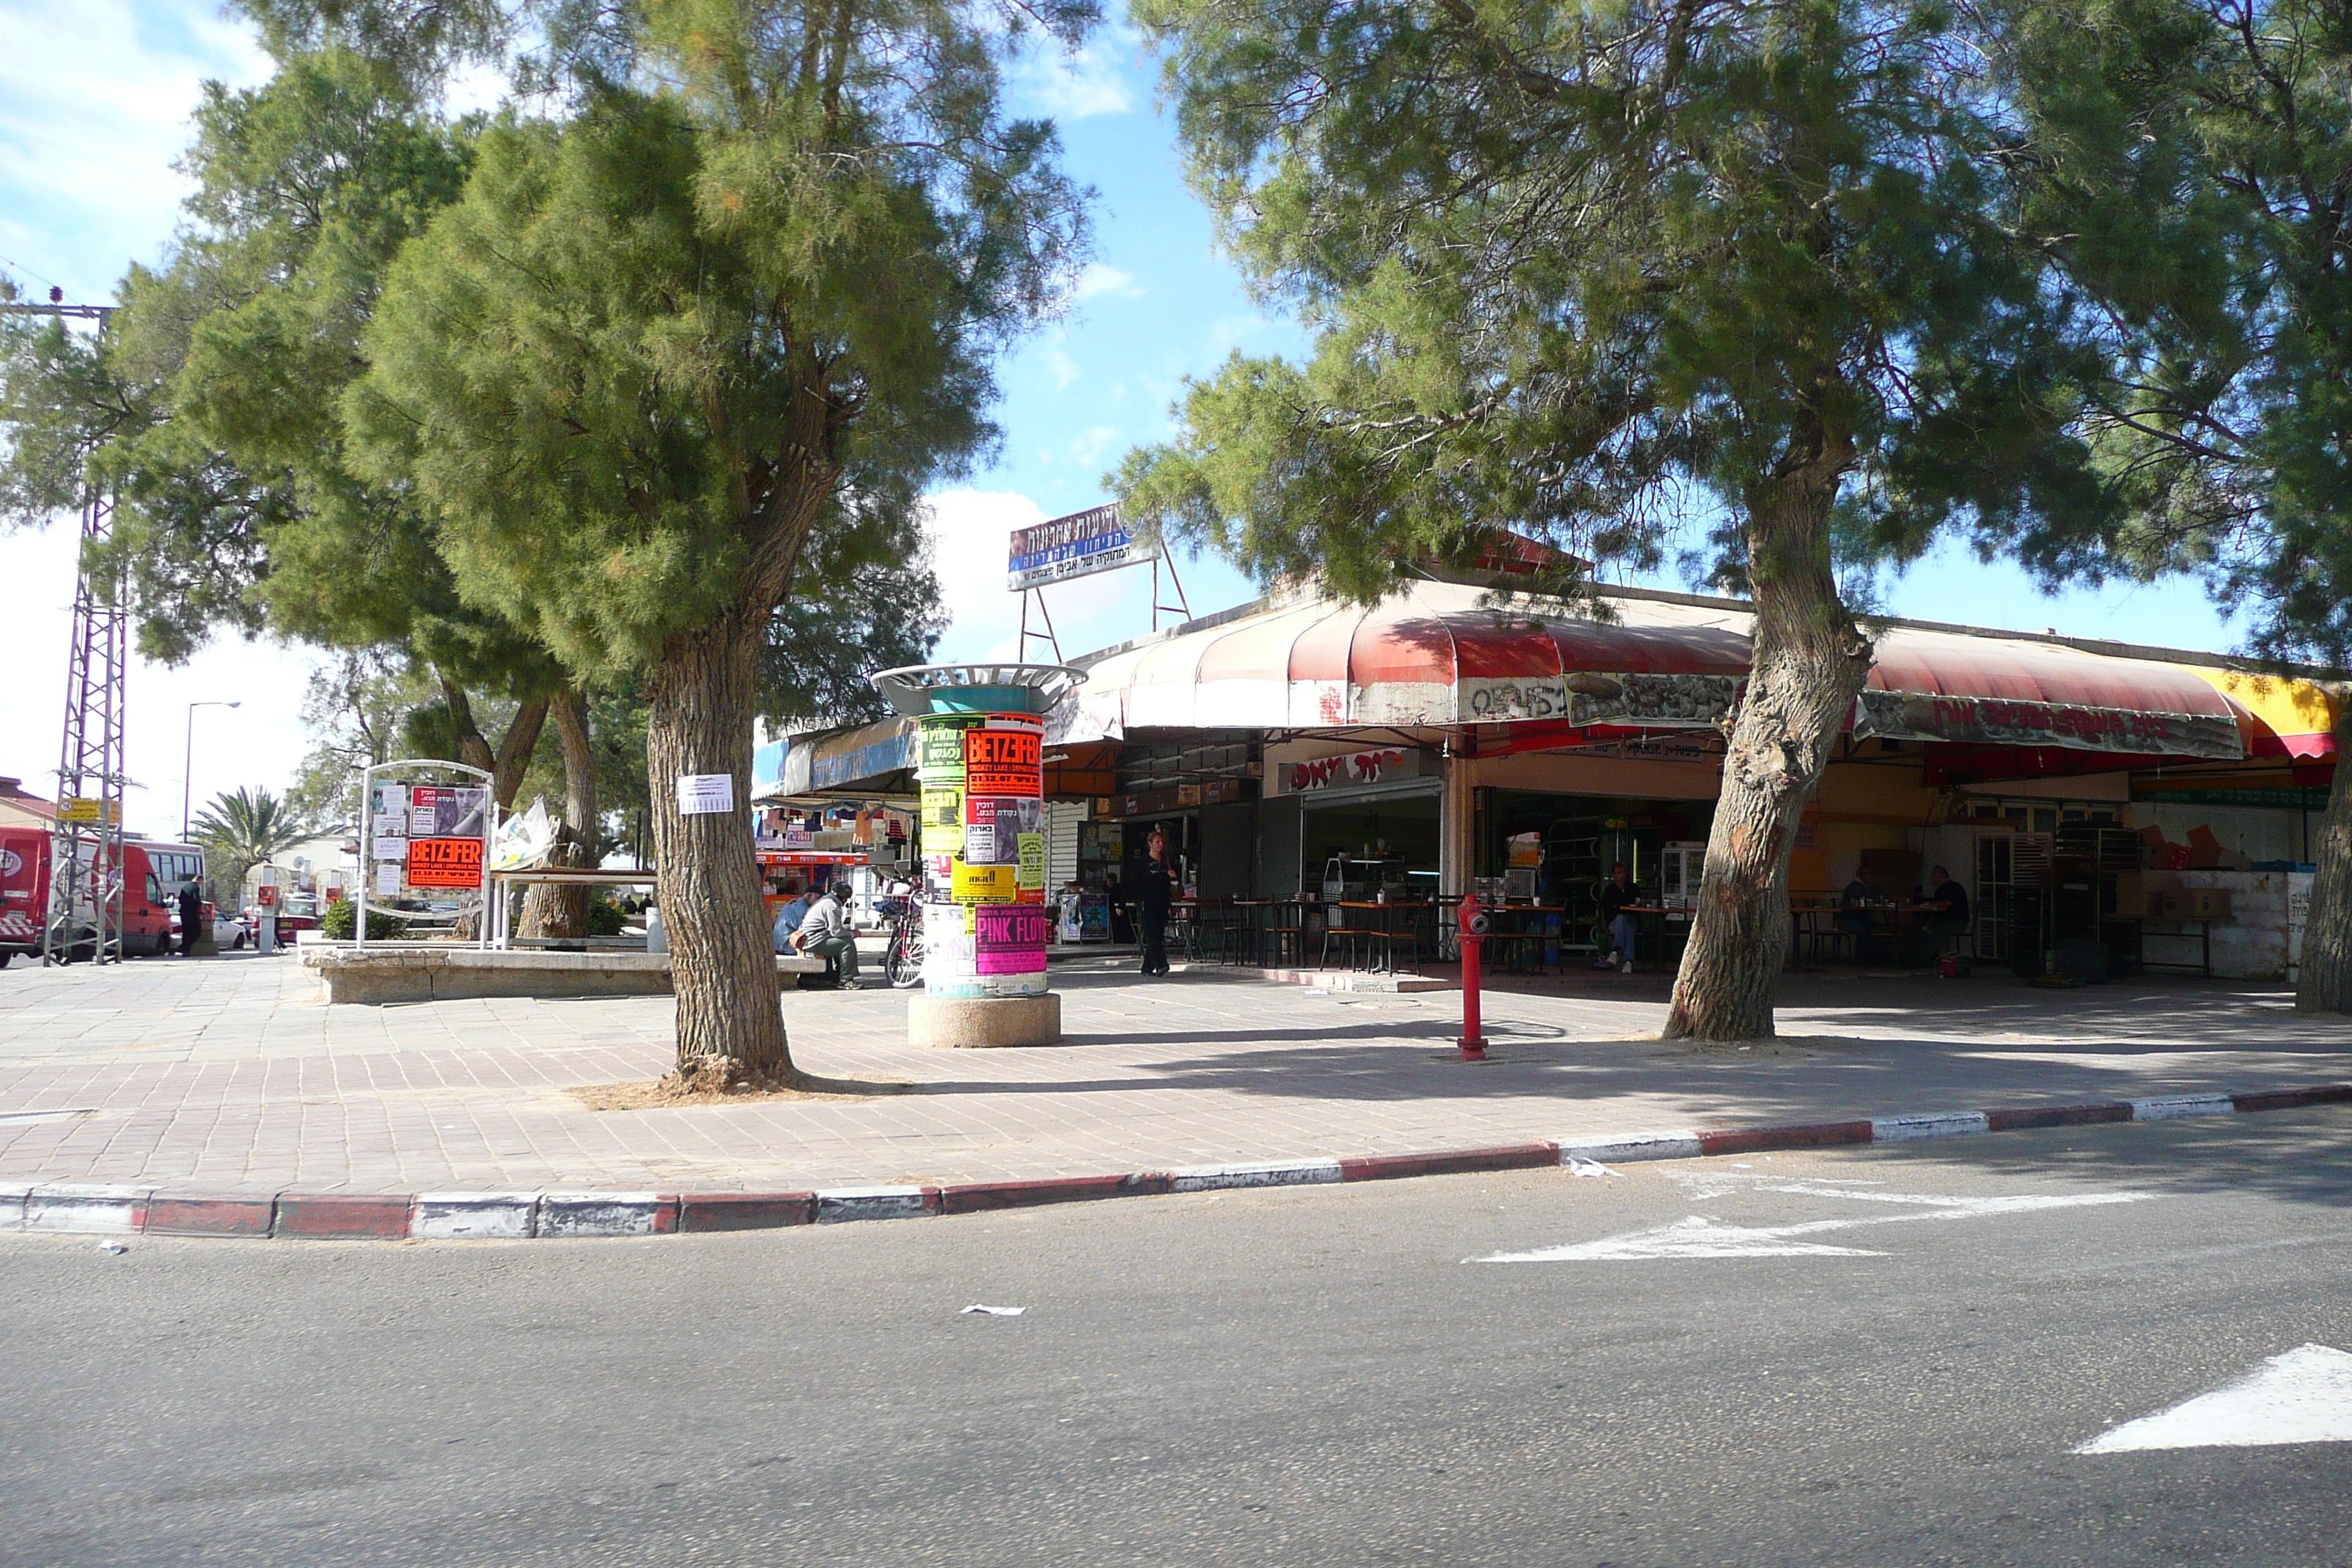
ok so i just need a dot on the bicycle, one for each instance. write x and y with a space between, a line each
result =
902 959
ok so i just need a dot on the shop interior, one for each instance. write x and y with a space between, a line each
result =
1374 849
1558 848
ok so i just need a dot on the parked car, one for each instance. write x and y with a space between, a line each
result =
299 911
224 932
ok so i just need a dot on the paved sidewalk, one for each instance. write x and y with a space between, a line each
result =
231 1076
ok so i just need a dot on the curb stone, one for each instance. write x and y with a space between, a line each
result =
78 1209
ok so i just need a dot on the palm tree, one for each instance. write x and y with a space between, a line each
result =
244 830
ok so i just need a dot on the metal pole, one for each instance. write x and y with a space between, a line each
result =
188 762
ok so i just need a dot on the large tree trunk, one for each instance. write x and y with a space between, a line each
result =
2324 982
698 721
563 911
1810 662
507 764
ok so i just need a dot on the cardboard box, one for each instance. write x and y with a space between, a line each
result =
2189 904
2206 854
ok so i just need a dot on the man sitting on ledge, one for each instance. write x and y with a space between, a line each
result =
826 932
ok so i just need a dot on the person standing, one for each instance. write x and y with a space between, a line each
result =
1615 894
1151 901
826 932
191 916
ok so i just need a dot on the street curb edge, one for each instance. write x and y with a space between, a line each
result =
72 1208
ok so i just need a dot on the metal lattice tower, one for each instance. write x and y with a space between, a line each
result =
86 889
85 892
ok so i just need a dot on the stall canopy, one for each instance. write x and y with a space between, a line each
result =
1434 657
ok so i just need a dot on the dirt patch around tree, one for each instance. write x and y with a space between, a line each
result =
722 1081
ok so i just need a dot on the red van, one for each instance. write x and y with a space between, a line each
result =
147 904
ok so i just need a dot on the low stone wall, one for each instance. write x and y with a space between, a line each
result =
2263 938
436 973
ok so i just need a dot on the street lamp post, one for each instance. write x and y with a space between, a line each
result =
188 764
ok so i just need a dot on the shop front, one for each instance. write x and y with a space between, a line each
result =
1438 742
1363 823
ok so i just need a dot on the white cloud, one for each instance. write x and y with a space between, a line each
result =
95 107
1087 447
969 532
1065 369
1099 278
1074 85
261 742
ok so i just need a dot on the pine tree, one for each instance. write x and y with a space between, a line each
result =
756 286
1593 270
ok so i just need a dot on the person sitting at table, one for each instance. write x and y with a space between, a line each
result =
1615 894
1947 903
1853 915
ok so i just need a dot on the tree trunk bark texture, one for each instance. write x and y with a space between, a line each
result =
700 705
507 764
563 911
2323 982
1810 662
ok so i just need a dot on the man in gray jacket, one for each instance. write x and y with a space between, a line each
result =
826 932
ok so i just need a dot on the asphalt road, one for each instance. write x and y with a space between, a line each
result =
1300 1377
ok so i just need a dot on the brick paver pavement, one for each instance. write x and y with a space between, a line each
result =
232 1075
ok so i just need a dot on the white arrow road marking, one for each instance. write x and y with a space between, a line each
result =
1699 1236
2303 1396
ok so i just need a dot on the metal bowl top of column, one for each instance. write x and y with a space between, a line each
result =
910 687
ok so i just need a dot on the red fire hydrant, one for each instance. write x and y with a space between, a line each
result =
1474 922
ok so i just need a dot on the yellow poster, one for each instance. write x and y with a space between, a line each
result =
1031 870
943 821
985 884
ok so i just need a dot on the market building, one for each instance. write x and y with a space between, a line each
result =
2106 809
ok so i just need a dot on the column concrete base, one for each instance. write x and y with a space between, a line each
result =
966 1021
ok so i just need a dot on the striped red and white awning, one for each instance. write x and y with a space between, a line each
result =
1433 656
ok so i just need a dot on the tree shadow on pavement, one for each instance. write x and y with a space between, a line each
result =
2303 1156
1820 1079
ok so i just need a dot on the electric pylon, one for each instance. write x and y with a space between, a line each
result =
86 861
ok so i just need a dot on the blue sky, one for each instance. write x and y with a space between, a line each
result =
94 97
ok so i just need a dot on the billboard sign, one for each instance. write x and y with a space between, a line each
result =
445 862
1078 545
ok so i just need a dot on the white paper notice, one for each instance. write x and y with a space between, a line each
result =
391 849
703 794
387 882
420 821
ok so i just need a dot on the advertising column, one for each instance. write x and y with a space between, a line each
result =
986 922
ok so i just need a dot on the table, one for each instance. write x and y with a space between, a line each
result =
1891 929
1270 926
2205 930
1516 935
1376 922
502 882
1655 928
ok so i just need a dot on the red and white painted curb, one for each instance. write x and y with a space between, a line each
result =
515 1216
